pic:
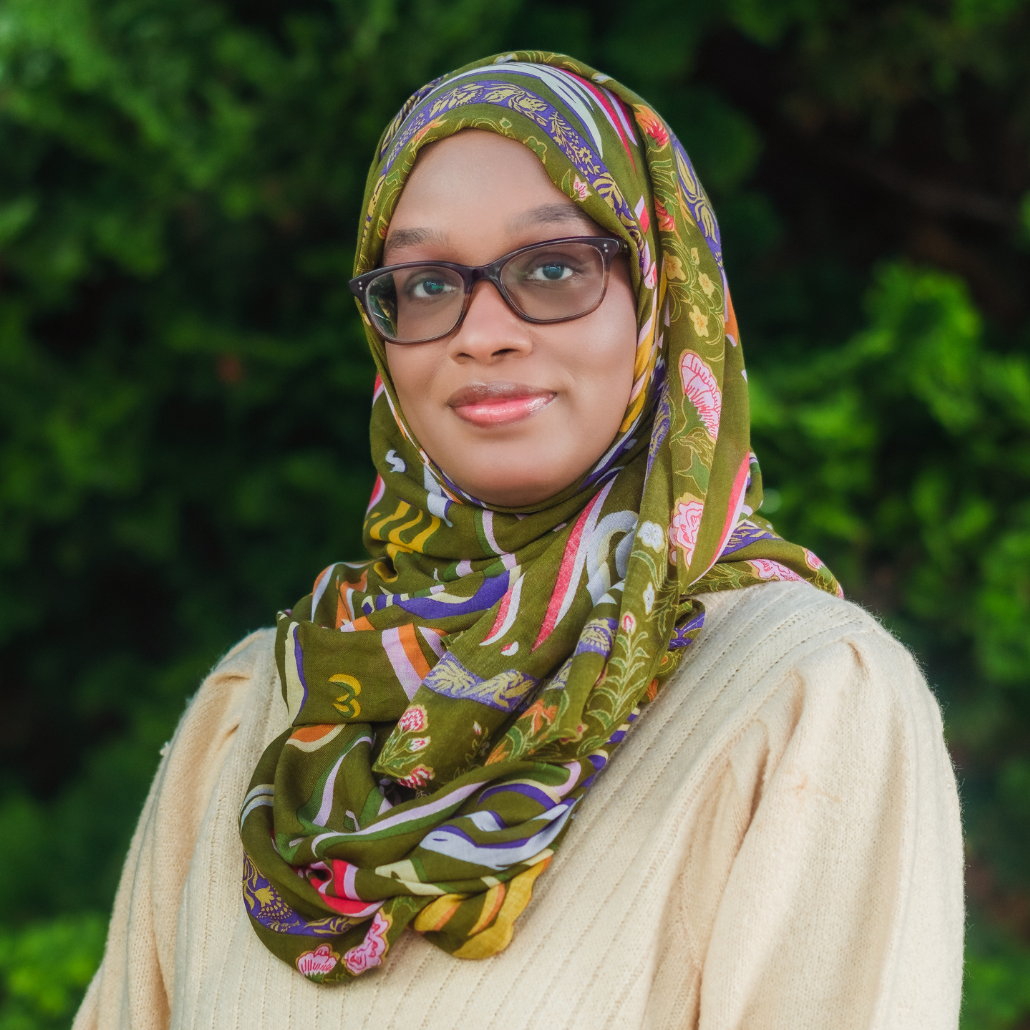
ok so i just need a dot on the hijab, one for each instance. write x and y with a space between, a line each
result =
453 697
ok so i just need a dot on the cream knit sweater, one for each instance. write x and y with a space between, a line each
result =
776 845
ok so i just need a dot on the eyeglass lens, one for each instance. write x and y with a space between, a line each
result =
551 283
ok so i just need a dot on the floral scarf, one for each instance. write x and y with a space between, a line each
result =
453 698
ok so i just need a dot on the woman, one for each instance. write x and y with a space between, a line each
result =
578 664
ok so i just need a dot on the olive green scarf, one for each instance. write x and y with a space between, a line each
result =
453 698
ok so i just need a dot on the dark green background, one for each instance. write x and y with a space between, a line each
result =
184 387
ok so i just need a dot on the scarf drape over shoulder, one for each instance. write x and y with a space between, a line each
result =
454 697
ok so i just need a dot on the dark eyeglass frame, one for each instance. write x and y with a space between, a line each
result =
607 246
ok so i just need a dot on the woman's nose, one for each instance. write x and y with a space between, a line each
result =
490 329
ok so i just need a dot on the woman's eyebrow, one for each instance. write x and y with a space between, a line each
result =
411 238
546 214
549 214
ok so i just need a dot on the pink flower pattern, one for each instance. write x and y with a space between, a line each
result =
369 953
813 561
686 521
413 719
318 962
418 777
701 390
766 568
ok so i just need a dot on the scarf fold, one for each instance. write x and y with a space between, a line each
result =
453 698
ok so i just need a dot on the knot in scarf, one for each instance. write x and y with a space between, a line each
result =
452 698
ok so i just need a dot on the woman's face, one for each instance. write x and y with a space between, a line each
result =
512 412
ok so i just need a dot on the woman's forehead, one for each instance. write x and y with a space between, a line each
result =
476 166
476 182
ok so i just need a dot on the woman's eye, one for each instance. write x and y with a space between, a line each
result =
429 288
552 272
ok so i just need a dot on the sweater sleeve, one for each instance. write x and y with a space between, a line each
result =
133 985
843 906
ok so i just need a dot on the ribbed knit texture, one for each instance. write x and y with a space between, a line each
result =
777 844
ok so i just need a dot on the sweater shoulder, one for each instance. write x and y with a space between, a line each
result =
786 602
247 665
787 622
242 658
238 683
794 640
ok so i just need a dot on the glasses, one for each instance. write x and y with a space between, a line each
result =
556 281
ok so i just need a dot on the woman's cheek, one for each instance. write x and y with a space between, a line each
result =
414 379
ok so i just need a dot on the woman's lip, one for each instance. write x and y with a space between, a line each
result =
498 404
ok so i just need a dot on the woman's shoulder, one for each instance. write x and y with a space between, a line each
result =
240 661
246 666
794 613
809 649
234 697
787 622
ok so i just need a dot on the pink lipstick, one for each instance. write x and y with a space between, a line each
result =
498 403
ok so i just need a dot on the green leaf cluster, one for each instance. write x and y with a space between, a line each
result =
45 968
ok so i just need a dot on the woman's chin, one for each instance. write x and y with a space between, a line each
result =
506 497
510 489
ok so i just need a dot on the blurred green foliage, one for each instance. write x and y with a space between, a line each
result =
46 966
184 387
